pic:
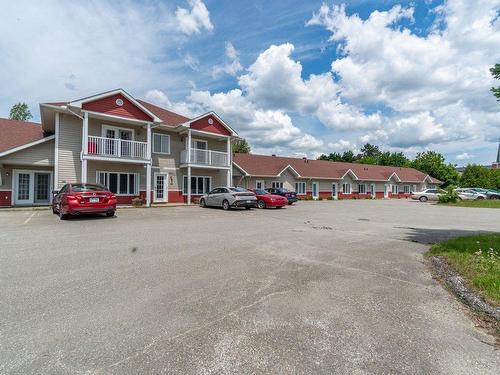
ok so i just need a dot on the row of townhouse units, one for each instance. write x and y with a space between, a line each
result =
326 179
131 146
138 149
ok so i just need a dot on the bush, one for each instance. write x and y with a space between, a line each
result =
320 198
451 196
330 198
137 202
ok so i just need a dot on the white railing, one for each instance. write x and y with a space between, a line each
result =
119 148
205 157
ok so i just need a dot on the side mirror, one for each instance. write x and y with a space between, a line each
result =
55 192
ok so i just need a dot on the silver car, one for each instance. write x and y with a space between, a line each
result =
469 194
428 195
228 197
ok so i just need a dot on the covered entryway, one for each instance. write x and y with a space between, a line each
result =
32 187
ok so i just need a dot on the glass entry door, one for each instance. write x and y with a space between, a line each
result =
32 187
161 187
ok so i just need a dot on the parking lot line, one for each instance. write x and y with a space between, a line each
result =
29 218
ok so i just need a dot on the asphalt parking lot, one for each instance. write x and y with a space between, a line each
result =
320 287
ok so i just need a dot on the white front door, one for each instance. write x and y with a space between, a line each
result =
334 190
161 187
315 190
374 191
386 190
32 187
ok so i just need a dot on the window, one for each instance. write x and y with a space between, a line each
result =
334 190
362 188
119 183
415 188
161 143
199 144
199 185
300 188
406 189
277 184
346 188
259 184
395 189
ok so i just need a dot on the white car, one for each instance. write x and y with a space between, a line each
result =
428 195
469 194
228 197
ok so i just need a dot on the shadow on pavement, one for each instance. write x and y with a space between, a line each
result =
430 236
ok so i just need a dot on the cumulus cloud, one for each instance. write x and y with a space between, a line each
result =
232 67
194 20
464 156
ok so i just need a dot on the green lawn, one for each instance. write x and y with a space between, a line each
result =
486 203
477 259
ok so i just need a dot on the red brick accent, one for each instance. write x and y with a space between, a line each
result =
216 127
108 106
5 198
379 194
176 197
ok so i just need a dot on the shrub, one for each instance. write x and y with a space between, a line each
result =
330 198
451 196
320 198
137 201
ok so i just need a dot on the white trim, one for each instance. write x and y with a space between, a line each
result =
336 184
347 184
153 145
364 188
293 170
165 187
278 183
350 171
199 140
108 117
394 173
27 145
105 127
56 152
404 188
31 201
188 123
115 159
196 176
137 187
78 103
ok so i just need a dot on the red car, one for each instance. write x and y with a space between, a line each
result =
83 198
266 199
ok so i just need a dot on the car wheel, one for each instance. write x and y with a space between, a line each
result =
261 204
495 197
54 210
480 198
202 203
110 213
422 199
225 205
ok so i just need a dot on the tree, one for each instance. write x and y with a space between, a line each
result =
334 156
20 111
396 159
370 151
476 176
495 72
348 156
433 164
241 147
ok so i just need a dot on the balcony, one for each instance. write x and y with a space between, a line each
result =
205 157
117 148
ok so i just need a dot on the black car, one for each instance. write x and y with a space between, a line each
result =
290 195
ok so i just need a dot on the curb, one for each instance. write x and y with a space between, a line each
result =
459 288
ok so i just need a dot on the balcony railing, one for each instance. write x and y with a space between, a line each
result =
119 148
205 157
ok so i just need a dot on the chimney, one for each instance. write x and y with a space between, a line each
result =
273 155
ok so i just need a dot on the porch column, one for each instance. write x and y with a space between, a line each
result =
189 185
230 163
85 145
188 148
55 185
148 168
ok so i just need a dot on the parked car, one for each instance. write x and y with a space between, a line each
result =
229 197
427 195
265 199
469 194
83 198
489 193
291 196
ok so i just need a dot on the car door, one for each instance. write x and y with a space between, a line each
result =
210 197
221 195
60 195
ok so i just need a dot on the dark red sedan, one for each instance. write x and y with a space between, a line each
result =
82 198
266 199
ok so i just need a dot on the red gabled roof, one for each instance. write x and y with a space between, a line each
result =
168 117
263 165
17 133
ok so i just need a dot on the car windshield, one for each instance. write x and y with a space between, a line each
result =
261 191
283 190
238 189
81 188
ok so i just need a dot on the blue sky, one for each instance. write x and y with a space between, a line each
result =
293 77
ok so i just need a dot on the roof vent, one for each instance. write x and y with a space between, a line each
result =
304 158
119 102
273 155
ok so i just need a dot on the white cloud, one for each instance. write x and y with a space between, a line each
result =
233 67
464 156
194 20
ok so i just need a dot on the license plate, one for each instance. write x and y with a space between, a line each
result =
94 200
249 201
